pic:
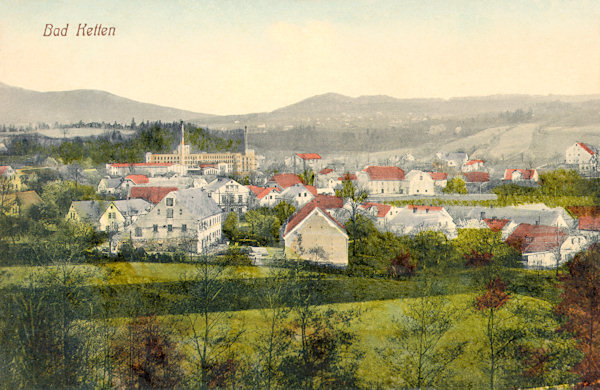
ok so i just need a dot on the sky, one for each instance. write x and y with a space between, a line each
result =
236 57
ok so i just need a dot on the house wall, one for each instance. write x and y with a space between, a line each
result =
540 260
319 235
112 218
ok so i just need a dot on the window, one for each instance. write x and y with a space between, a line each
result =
184 228
169 213
239 198
157 211
180 211
138 231
169 228
169 201
155 228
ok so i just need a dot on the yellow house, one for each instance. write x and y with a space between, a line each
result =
313 234
10 180
86 212
122 213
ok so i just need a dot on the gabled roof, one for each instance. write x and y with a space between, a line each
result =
133 207
304 212
112 182
309 156
261 192
138 179
473 162
326 171
476 177
151 194
89 210
327 202
589 223
4 169
220 182
348 176
536 238
298 188
382 209
255 189
25 198
526 174
285 180
197 202
586 148
384 173
438 175
495 224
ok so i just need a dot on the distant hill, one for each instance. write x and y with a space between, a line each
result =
22 106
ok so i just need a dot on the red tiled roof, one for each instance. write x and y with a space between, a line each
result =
496 225
529 238
327 202
586 148
477 177
589 223
438 175
309 156
585 211
255 189
261 192
473 162
348 176
151 194
384 173
138 179
285 180
382 209
325 171
526 174
301 214
424 208
125 165
3 169
312 189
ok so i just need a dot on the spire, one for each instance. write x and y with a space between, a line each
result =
182 133
182 146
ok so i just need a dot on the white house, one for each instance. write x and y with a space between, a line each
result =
230 195
440 179
121 213
298 195
381 180
415 219
521 175
263 197
473 166
584 156
381 213
417 183
188 220
109 185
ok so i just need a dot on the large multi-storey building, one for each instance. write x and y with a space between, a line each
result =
238 163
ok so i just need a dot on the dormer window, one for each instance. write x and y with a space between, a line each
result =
169 201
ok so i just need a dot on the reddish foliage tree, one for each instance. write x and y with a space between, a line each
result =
581 306
477 259
536 360
402 265
494 295
221 374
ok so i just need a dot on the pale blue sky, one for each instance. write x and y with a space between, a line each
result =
229 57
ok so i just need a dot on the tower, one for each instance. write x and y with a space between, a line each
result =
245 139
182 146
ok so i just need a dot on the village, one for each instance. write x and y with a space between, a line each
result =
182 200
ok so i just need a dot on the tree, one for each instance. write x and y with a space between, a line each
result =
455 186
283 210
580 306
230 226
417 351
499 335
353 198
146 356
211 336
308 177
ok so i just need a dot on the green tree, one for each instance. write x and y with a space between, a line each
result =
283 210
353 198
455 186
230 226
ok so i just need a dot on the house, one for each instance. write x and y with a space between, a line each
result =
137 179
476 177
414 219
87 212
381 180
583 156
454 159
152 194
230 195
108 185
10 180
545 246
298 195
121 213
263 197
149 169
521 175
15 203
440 179
381 213
312 234
306 161
209 169
284 180
188 220
473 166
417 183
